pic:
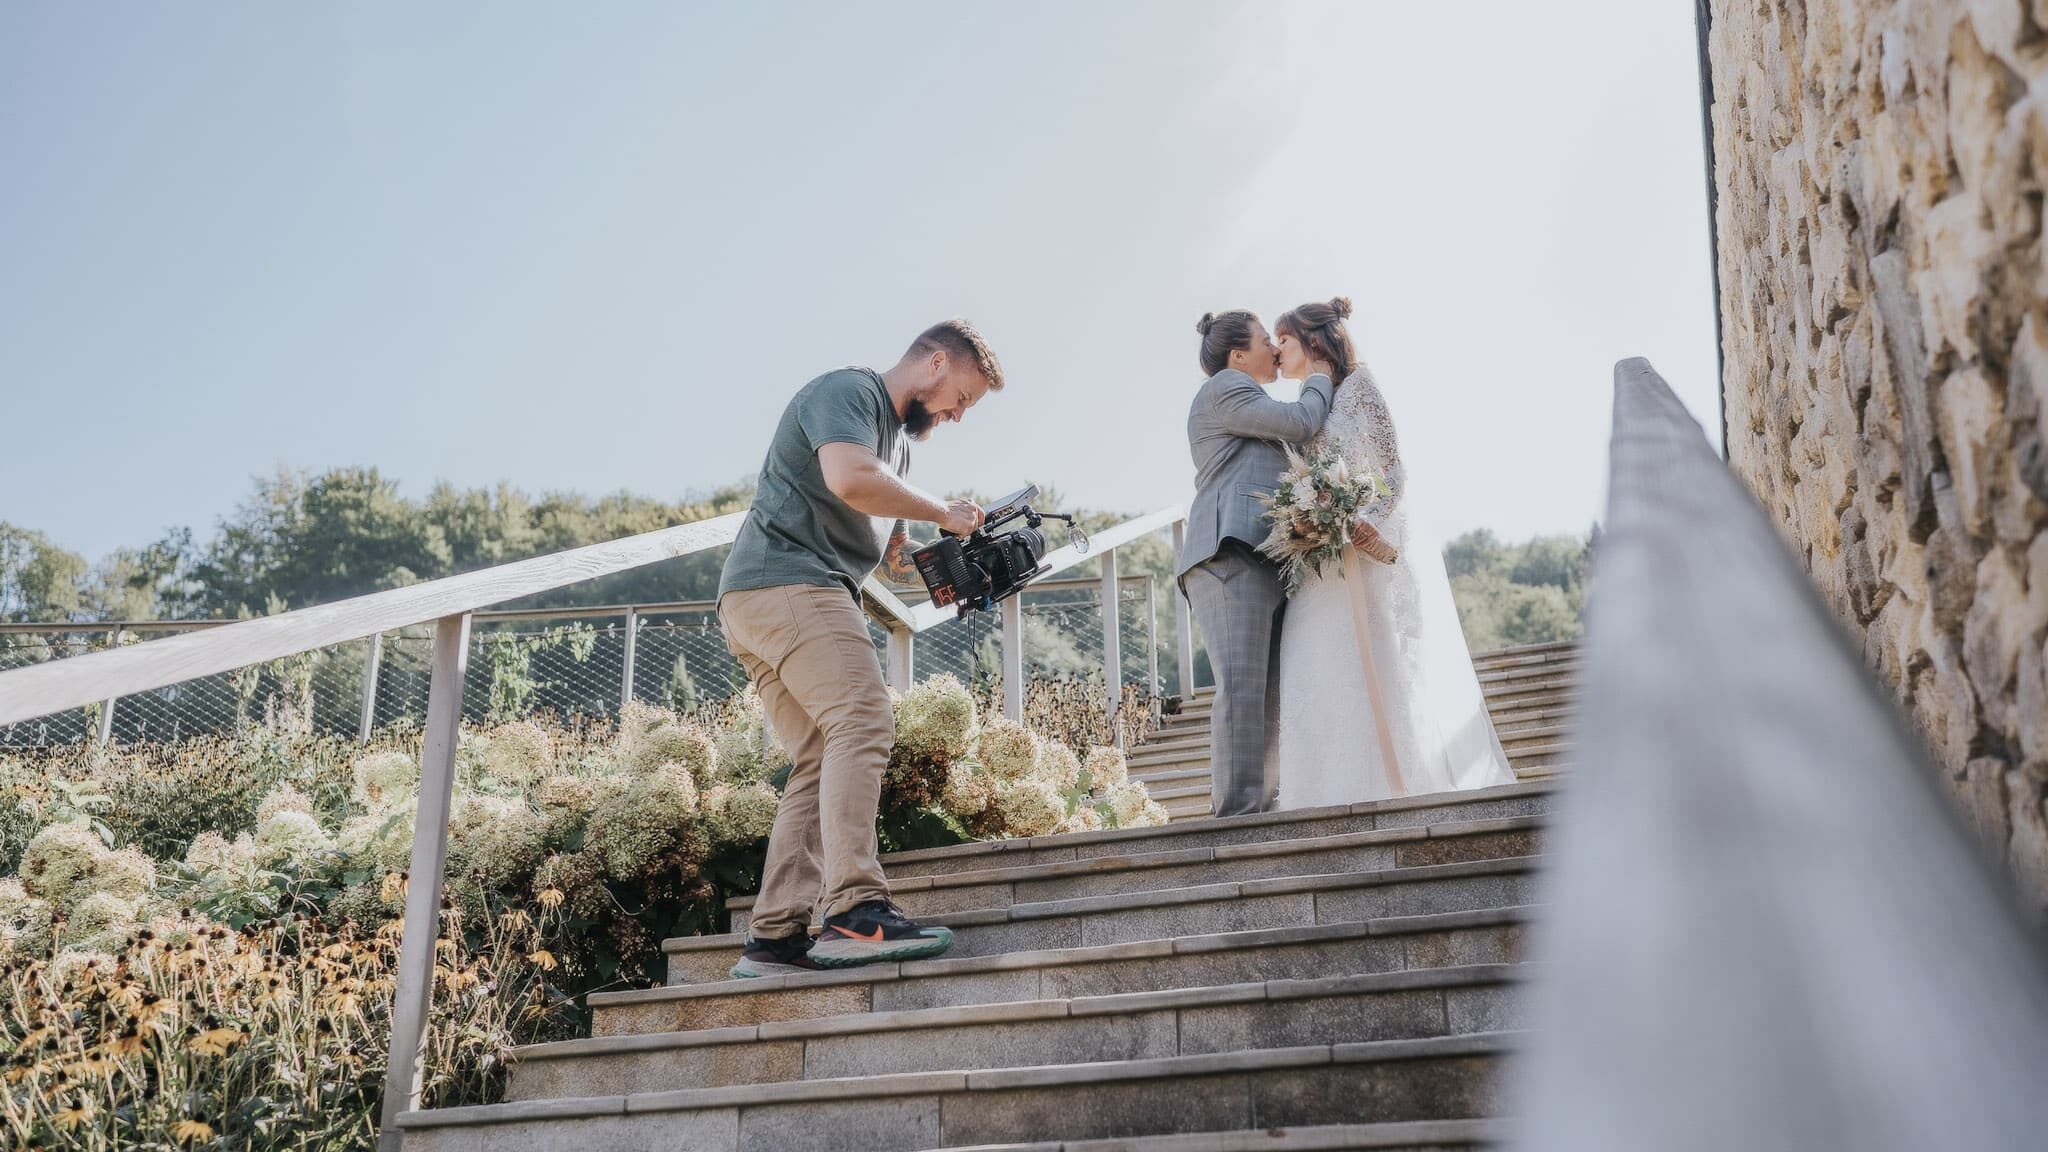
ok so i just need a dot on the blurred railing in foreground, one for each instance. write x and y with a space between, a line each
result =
1768 929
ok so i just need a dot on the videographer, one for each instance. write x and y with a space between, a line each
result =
789 605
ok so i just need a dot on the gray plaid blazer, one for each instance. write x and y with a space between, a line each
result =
1236 433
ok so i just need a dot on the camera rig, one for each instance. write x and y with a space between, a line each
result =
985 567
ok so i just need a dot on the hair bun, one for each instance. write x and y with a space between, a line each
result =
1207 322
1341 305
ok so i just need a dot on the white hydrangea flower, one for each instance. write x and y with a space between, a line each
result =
382 839
1009 750
386 778
634 827
738 815
59 862
1084 819
102 921
290 838
128 873
71 966
936 719
519 754
1060 766
498 838
283 798
1031 807
969 790
1107 768
1127 803
684 744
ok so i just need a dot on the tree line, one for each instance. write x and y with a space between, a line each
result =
307 538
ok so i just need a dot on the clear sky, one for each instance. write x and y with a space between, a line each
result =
596 246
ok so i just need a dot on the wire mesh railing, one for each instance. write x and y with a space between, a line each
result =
578 666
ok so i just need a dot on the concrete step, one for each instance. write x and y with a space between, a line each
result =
1407 811
1535 714
1517 739
1124 917
1087 1029
1438 1078
1167 777
1376 850
1416 1136
1566 650
1385 944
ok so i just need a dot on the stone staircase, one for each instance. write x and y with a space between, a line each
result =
1530 692
1338 978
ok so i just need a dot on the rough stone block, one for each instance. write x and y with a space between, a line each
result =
686 1014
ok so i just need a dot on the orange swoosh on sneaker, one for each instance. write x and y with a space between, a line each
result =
871 938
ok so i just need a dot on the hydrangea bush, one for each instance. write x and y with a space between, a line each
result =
580 849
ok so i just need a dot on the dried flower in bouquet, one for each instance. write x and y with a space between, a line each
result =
1318 499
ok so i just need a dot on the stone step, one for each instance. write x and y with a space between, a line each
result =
1437 1078
1376 850
1124 917
1407 811
1170 776
1414 1136
1539 669
1561 711
1520 739
1497 692
1166 749
1386 944
1086 1029
1528 654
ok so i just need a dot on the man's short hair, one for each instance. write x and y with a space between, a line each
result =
959 340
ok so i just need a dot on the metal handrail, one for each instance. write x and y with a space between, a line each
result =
1767 927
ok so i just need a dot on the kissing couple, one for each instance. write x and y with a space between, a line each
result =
1357 685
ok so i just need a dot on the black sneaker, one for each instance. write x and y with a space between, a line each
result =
788 956
874 932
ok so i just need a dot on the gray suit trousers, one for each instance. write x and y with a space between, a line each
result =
1238 599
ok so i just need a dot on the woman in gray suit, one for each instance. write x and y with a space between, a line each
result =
1237 434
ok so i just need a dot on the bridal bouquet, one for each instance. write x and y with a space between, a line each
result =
1319 497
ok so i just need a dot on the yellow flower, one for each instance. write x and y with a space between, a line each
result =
192 1131
551 897
542 959
128 1043
214 1040
76 1116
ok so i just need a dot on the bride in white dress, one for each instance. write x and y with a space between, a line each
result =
1412 695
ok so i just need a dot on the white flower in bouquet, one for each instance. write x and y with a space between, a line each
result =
1313 508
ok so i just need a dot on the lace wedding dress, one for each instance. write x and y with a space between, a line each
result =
1326 745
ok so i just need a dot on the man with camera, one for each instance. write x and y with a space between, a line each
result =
789 605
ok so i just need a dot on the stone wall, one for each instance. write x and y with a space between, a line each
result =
1880 167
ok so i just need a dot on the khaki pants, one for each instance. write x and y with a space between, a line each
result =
808 652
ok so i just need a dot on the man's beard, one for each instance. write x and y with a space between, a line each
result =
918 420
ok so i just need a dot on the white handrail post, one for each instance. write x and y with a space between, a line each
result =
1013 658
632 643
1112 649
1183 624
402 1080
105 732
901 648
371 668
1152 641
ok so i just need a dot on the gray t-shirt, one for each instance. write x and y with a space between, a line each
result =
799 532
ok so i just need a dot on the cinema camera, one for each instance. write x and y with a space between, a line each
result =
985 567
